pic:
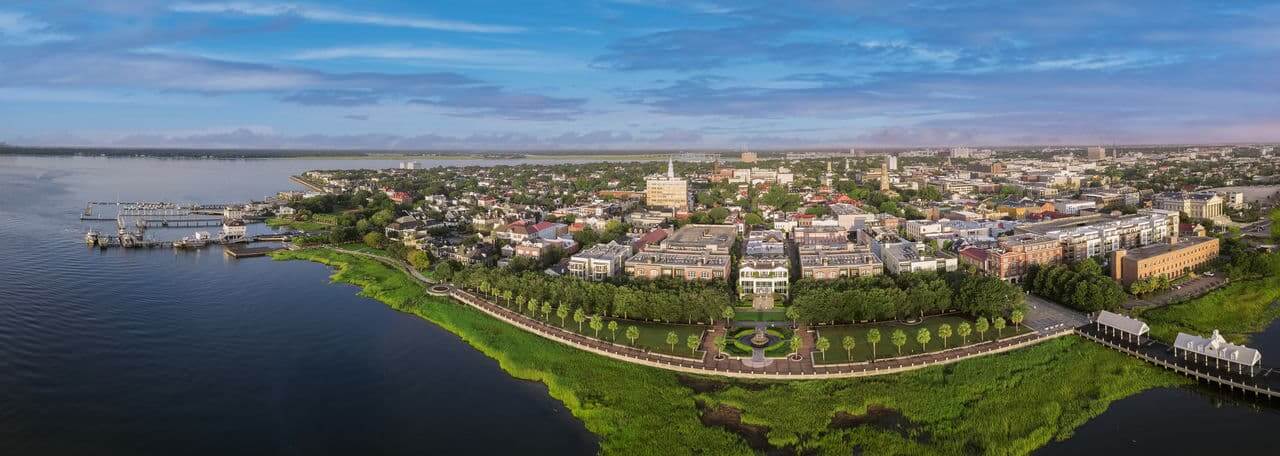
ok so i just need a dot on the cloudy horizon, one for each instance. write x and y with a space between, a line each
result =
636 74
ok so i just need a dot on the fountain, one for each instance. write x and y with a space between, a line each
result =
760 339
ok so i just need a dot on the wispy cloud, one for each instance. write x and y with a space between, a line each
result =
18 28
320 14
444 55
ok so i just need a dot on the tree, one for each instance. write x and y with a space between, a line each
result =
375 239
597 323
848 343
822 344
964 330
613 330
987 295
383 217
692 342
981 327
923 337
899 339
546 310
633 333
580 316
998 324
873 338
720 342
944 332
532 305
728 314
794 315
422 262
520 300
795 345
672 338
562 311
506 294
1016 317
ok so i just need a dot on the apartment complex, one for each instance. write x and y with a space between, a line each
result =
599 262
826 253
766 266
1014 255
1170 260
900 255
1197 205
694 252
667 191
1096 235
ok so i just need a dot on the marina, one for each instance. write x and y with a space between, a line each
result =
134 219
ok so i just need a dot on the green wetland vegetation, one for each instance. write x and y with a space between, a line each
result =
1004 404
1237 310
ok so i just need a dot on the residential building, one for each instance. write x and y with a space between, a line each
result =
765 265
850 217
694 252
667 191
1014 255
1097 153
600 262
900 255
1099 234
1197 205
1170 260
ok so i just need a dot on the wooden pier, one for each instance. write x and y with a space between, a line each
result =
240 251
1264 385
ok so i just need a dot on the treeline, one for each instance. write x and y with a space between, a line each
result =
665 299
883 297
1081 286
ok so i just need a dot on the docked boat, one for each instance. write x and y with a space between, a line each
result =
195 241
92 237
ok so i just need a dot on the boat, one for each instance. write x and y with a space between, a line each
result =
91 237
195 241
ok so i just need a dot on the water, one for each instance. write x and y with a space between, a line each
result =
164 352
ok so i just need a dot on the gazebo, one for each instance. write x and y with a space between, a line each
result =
1116 325
1219 353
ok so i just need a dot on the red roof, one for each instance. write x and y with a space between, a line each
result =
975 253
543 225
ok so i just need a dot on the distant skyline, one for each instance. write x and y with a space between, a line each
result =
635 74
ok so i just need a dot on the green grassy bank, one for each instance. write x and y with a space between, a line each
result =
1003 404
1237 310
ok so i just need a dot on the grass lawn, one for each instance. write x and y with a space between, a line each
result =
1010 404
885 349
1237 310
749 314
735 347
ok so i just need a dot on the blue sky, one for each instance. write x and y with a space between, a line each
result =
636 73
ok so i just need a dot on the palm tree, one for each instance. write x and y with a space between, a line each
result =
613 330
981 327
546 310
848 343
728 314
532 304
873 338
692 342
899 338
720 343
795 345
562 311
964 330
944 332
672 338
579 316
507 294
597 323
998 324
1017 316
922 337
633 333
793 315
520 300
822 344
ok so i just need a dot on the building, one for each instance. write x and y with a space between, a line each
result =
694 252
233 229
820 235
1234 200
750 157
1217 352
600 262
1096 235
1097 153
1197 205
893 162
1170 260
899 255
667 191
765 266
849 216
1014 255
1116 325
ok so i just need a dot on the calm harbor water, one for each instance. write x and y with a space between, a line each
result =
163 352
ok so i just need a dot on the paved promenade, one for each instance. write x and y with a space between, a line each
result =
706 362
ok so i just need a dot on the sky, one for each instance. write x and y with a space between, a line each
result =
634 74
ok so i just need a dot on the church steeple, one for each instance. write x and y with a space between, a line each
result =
671 167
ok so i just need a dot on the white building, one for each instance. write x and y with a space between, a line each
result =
765 266
1217 352
599 262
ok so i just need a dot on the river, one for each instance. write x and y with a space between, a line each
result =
164 352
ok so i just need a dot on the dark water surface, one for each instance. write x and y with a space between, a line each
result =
163 352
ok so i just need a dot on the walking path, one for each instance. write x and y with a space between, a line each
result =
705 361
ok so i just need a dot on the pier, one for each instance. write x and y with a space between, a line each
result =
1264 385
241 251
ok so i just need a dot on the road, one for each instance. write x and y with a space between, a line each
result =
1047 317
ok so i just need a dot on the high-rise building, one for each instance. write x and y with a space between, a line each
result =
1097 153
667 191
893 162
749 157
884 177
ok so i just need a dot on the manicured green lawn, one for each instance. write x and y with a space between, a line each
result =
1236 310
317 222
1010 404
749 314
862 350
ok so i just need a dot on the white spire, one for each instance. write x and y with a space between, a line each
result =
671 167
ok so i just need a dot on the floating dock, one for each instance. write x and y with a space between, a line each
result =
239 251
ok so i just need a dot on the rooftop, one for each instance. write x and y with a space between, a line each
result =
1155 250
